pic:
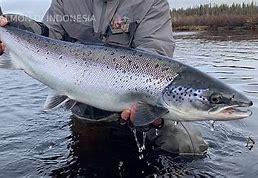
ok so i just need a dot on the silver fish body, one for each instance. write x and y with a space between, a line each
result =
114 78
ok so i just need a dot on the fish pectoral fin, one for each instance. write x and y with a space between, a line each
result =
144 114
70 104
55 101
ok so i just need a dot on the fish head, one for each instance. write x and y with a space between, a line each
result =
194 95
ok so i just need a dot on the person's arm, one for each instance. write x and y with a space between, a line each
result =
24 23
154 32
53 19
50 27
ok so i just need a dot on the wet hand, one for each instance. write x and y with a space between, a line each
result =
126 116
3 22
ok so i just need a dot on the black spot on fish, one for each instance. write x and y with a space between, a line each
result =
90 53
61 57
129 61
165 69
122 57
114 59
156 66
195 94
140 55
112 53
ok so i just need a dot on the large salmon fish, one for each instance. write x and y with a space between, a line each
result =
114 78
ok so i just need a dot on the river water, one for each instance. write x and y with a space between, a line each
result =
34 143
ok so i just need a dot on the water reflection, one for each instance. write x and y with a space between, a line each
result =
102 150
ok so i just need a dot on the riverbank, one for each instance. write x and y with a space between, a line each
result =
209 17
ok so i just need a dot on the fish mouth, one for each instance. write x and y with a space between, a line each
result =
231 112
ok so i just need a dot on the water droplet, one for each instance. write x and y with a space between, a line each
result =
212 125
175 123
136 140
144 135
141 157
157 132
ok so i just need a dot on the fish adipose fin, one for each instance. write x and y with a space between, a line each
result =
144 114
55 101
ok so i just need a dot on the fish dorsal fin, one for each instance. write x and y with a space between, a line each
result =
143 114
70 104
55 101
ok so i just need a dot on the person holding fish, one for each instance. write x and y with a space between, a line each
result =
137 24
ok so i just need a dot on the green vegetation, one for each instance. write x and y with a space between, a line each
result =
213 17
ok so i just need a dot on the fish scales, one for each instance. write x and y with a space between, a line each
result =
115 70
114 78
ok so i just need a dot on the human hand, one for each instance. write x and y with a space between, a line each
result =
126 117
3 22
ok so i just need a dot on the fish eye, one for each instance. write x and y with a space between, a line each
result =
216 98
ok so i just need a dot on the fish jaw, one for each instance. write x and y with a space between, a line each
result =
226 113
230 113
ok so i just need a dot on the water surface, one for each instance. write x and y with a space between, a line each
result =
35 143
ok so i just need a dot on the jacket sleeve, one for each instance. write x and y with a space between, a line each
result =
53 19
154 32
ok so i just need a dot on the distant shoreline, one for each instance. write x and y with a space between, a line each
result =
237 17
208 29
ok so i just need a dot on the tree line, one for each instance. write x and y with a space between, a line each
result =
213 17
